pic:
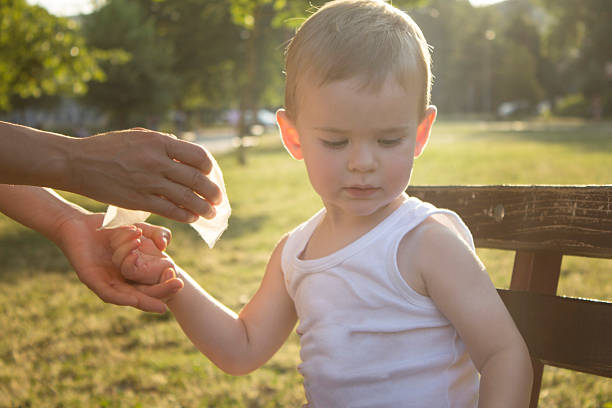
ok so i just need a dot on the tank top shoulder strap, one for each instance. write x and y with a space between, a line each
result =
297 238
418 211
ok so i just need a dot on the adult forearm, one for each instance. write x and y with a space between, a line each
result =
38 208
214 329
136 168
33 157
506 380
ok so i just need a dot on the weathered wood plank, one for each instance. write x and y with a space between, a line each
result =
572 220
536 272
564 332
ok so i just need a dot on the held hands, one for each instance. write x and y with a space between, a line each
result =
90 252
142 262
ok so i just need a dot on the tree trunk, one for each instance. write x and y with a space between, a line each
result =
247 98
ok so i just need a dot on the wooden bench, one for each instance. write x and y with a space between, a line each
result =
541 224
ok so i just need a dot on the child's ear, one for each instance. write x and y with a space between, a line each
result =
424 130
289 134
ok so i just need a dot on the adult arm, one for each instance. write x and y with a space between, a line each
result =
75 231
136 168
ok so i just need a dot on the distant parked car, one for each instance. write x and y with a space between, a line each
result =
514 109
264 120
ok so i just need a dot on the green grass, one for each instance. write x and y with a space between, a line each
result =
61 346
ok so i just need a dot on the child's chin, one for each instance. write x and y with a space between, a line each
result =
366 209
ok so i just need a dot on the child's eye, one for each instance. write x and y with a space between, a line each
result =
390 142
336 144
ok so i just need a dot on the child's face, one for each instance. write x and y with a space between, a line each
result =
358 145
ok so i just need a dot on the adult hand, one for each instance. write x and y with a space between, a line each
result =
88 250
144 170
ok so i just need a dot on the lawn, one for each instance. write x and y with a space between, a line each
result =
62 346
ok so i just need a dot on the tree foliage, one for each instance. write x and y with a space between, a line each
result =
205 43
483 57
577 42
207 56
41 54
140 83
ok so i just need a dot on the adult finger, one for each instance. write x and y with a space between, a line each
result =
189 153
168 209
161 236
167 275
149 304
143 302
119 293
109 293
185 198
162 290
195 180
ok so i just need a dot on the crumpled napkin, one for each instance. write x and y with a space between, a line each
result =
209 230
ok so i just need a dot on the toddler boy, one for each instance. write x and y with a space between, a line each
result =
394 307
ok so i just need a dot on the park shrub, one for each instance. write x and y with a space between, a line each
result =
573 105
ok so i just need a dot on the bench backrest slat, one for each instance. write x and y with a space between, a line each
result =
564 332
571 220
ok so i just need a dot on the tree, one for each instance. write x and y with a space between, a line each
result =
140 84
495 58
205 46
41 54
462 56
578 43
255 17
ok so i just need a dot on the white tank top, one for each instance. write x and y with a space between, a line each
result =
367 338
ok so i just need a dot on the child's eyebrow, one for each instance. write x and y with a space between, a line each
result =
332 130
381 131
392 130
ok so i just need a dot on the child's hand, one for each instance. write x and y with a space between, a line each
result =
139 259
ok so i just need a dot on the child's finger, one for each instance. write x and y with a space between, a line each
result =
124 250
161 236
129 265
123 234
149 247
145 269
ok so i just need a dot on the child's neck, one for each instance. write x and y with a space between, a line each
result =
337 229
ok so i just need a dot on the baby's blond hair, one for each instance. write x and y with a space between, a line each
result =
358 38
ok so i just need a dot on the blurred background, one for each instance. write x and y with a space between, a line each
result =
524 91
83 66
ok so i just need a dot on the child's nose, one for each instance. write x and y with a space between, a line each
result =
361 159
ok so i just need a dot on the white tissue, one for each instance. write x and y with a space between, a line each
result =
209 230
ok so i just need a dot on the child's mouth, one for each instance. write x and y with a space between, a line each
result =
361 191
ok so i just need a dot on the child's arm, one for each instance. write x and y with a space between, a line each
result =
236 343
457 282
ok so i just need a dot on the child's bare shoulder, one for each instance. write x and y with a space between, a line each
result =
435 232
437 245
